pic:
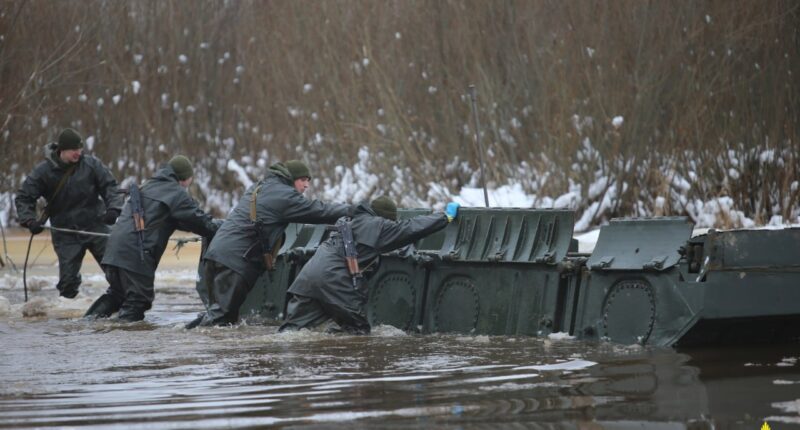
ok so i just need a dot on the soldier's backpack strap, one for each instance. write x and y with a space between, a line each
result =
61 183
267 253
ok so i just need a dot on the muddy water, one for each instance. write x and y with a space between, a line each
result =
58 371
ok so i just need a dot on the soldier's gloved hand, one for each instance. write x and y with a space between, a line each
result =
451 210
111 216
34 226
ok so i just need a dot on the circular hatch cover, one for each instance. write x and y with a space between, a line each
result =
393 301
629 312
457 307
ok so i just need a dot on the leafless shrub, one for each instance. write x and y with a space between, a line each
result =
707 90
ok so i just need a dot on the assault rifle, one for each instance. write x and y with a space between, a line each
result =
268 254
350 253
137 210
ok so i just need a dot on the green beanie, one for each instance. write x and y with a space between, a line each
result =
182 167
69 139
298 169
385 207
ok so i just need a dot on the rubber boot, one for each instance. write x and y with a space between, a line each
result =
71 294
130 314
103 307
196 322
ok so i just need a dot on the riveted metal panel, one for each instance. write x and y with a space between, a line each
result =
493 299
640 244
393 300
754 249
651 308
629 312
396 292
509 235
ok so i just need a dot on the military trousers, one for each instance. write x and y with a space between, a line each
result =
200 283
70 249
111 301
134 292
225 290
306 312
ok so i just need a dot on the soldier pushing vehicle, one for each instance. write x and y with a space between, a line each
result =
330 286
251 236
139 239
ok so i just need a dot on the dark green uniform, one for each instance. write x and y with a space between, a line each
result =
234 260
324 288
81 202
167 207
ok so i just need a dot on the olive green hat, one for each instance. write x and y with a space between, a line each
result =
182 167
298 169
385 207
69 139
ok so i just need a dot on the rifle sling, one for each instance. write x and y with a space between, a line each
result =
269 256
253 204
61 183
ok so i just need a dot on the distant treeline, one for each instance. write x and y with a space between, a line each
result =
707 94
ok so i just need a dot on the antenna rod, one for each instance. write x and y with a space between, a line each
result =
473 95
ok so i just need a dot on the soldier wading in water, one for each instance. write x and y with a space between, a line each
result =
251 236
329 287
81 195
137 242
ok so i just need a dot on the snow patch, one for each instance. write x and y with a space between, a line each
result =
569 365
506 196
587 241
560 336
241 174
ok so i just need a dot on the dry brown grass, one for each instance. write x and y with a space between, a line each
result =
320 79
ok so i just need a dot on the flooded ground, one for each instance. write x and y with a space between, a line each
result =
57 371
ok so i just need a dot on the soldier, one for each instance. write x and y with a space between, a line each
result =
251 236
73 185
130 265
327 289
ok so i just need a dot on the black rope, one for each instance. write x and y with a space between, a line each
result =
25 268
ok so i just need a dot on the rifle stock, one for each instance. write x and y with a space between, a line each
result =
350 251
137 211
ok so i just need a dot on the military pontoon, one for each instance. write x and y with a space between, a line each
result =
519 272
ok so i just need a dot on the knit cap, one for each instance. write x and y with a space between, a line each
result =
182 167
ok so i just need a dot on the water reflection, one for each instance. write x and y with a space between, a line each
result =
64 372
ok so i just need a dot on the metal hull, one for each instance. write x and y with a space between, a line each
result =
516 272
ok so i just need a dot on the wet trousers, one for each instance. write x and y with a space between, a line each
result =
225 292
70 249
129 293
305 312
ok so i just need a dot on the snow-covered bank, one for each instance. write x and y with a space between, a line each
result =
594 202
